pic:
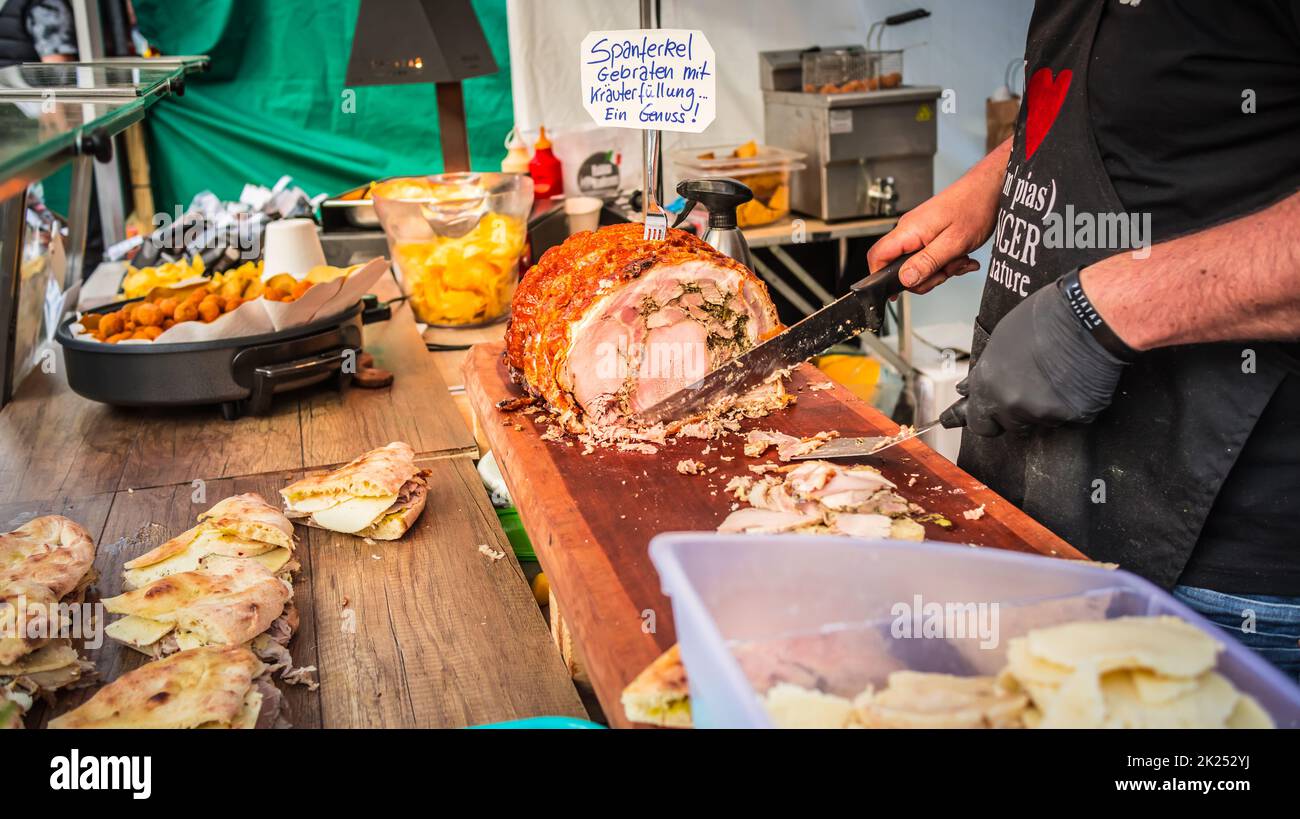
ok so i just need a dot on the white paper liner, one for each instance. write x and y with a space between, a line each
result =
261 316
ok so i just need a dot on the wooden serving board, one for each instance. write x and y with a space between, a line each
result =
590 517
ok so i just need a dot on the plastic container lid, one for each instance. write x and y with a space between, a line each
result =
825 605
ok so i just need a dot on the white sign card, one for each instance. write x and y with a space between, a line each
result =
654 79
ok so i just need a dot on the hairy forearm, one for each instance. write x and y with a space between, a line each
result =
992 169
1238 281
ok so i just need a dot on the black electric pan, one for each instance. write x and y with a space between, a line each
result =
241 374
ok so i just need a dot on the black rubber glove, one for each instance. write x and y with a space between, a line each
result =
1040 368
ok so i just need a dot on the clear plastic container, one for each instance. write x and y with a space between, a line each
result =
456 239
752 611
765 169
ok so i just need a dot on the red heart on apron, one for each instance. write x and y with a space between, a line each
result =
1043 100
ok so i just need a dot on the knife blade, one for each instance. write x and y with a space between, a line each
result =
863 309
854 446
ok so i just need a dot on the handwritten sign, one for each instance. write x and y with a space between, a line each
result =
655 79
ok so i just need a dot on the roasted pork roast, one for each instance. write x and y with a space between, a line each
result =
607 324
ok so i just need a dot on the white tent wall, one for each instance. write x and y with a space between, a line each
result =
964 46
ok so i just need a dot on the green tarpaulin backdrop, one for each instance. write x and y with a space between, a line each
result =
275 101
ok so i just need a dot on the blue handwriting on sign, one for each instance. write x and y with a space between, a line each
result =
657 75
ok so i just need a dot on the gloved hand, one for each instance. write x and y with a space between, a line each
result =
1040 368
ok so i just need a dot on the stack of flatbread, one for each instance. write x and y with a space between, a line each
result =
379 495
46 565
200 688
226 582
1130 672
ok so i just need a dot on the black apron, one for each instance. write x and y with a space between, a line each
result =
1135 486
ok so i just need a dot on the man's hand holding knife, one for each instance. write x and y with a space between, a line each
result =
1041 367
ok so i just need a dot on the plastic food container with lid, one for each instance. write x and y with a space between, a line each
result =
765 169
456 240
752 611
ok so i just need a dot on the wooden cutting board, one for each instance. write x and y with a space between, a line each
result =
591 517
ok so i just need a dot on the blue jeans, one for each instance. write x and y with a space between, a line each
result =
1276 633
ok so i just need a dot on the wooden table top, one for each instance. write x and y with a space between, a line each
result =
591 517
422 632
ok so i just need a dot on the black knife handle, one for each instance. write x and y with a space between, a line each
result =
954 416
906 17
884 282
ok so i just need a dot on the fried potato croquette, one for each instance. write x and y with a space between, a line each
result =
147 315
110 324
187 311
164 308
210 308
282 281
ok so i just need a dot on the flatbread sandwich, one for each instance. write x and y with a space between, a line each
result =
226 601
46 565
201 688
660 695
242 526
379 495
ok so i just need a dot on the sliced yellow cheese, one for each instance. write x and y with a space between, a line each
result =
218 542
274 560
138 631
353 514
248 711
50 657
186 561
188 639
207 542
316 503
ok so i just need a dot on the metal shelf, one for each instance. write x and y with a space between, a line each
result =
52 114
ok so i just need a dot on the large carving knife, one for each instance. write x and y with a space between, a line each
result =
863 309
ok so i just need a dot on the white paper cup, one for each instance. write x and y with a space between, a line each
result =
583 213
291 246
